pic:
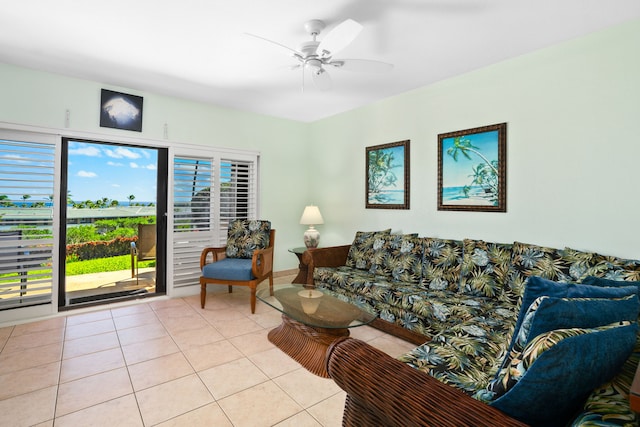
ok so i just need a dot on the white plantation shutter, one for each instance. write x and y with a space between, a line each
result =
26 222
237 193
208 192
193 180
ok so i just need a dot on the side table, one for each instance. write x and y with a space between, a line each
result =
302 267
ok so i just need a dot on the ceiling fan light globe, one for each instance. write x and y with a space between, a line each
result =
313 64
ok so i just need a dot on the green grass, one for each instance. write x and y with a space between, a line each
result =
100 265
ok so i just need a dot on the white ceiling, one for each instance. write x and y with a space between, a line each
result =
198 49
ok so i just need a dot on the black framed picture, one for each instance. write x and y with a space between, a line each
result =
387 176
120 111
472 166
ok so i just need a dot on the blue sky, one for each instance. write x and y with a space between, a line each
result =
103 170
457 174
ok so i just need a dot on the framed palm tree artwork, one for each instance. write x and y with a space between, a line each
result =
387 180
472 169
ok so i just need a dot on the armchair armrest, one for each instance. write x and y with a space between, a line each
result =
332 256
262 262
216 253
384 391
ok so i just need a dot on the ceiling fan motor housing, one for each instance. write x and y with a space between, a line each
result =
314 27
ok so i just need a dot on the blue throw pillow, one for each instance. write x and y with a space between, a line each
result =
599 281
550 379
537 286
550 313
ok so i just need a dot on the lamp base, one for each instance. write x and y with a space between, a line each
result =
311 238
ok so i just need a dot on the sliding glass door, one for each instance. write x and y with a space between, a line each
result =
113 222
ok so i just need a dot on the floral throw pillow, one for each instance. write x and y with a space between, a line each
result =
245 236
361 249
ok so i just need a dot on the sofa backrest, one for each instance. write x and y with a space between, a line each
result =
441 264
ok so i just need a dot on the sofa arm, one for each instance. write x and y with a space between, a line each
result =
384 391
634 392
332 256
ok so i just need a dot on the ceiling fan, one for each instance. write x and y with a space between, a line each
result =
317 56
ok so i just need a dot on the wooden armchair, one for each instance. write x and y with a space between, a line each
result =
235 265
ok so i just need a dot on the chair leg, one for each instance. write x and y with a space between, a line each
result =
253 299
271 284
203 294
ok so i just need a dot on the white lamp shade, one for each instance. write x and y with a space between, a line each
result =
311 216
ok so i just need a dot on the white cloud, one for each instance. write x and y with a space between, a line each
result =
115 185
121 153
85 150
110 163
150 166
85 174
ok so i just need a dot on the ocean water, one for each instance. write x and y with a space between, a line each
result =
452 194
387 197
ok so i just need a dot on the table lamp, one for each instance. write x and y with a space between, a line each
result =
311 217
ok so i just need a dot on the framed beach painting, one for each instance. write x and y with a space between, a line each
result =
472 169
387 180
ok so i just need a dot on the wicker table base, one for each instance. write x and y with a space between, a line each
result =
306 345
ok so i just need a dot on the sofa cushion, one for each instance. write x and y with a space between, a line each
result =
608 404
581 263
485 268
361 249
467 351
551 377
441 264
614 268
399 258
533 260
245 236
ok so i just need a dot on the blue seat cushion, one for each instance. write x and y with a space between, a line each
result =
229 269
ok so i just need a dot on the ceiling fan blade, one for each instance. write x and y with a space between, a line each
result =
321 79
362 65
338 38
275 43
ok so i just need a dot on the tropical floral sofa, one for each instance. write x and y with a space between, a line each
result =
472 303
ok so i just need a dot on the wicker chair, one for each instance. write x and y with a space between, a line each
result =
382 391
240 263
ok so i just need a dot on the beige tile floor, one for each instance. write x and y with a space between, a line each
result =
166 363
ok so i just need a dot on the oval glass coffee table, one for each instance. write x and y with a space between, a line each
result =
311 321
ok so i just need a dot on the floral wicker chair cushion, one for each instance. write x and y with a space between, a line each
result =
546 382
245 236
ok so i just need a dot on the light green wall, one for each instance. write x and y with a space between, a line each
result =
41 99
573 146
573 149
